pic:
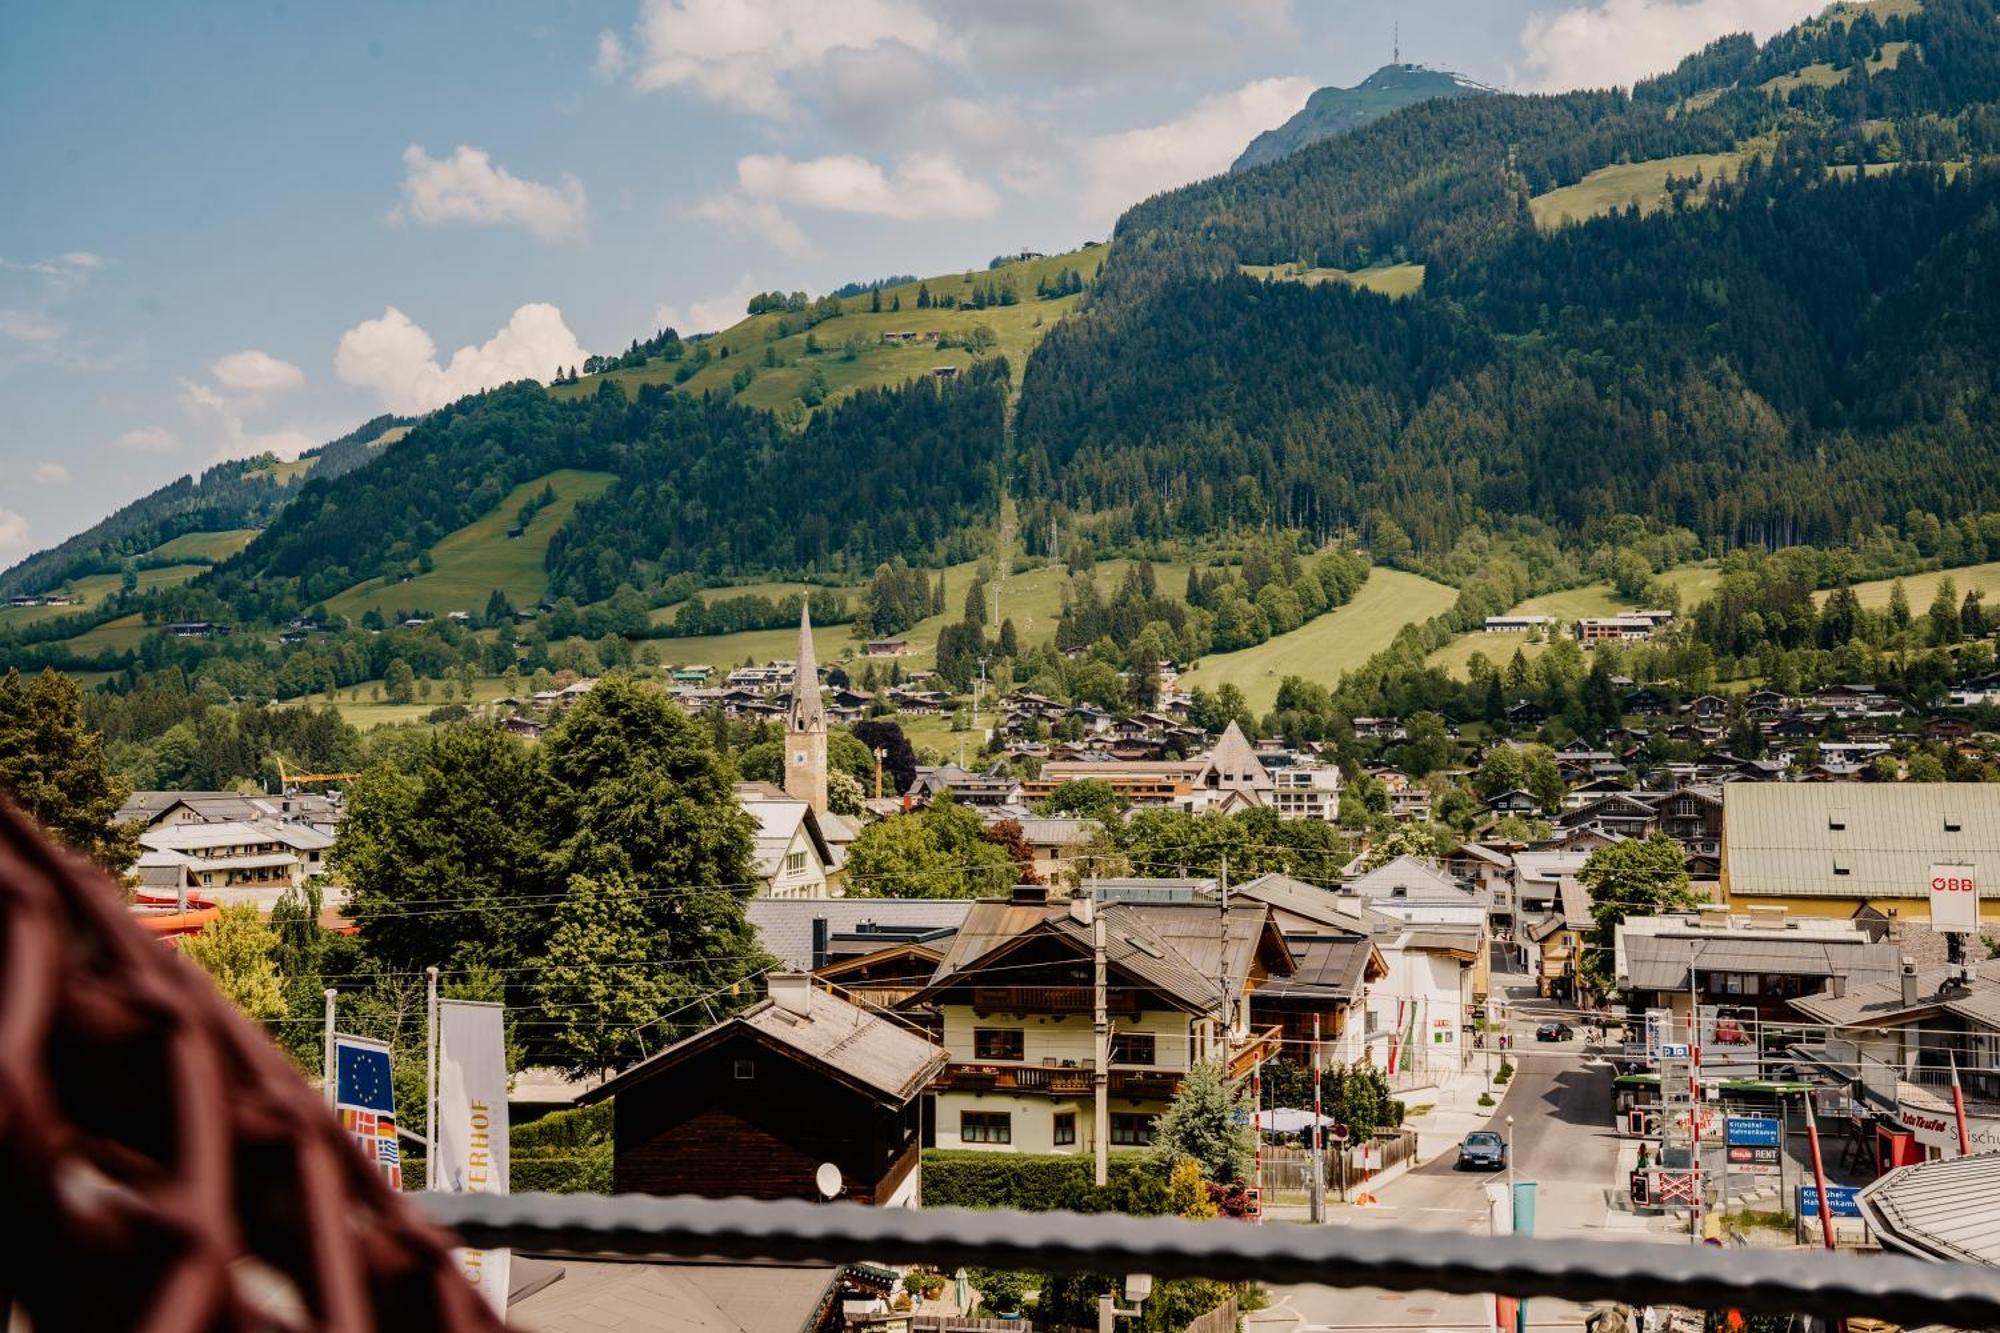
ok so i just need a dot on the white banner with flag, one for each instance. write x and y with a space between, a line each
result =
471 1155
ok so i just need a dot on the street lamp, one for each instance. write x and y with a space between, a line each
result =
1510 1158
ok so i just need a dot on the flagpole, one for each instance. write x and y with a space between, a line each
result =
430 1077
327 1054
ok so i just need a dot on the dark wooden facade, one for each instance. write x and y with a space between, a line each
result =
714 1126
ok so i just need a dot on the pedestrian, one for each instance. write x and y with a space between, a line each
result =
1645 1157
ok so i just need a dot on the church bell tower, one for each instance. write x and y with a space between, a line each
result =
805 724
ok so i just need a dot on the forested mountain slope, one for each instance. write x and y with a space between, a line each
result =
241 493
1805 346
700 484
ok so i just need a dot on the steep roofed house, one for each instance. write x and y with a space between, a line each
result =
791 854
753 1106
1013 1002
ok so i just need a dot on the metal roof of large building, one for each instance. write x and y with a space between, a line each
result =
1661 962
1851 839
1940 1210
785 925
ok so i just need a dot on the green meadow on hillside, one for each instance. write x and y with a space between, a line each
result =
470 563
1609 189
1323 648
1388 279
94 588
1920 588
852 354
216 546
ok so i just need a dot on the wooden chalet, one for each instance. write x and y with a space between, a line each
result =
753 1106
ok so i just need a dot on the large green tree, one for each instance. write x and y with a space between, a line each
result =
54 769
938 852
239 951
1638 877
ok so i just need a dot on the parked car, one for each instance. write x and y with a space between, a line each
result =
1483 1150
1554 1032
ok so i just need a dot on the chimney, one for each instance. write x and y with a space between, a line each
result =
819 948
1909 982
792 992
1083 910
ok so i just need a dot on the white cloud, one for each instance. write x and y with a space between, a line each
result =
398 359
29 326
732 212
221 417
83 259
1616 42
1071 42
13 533
256 373
742 54
610 55
923 186
467 187
1123 168
49 474
148 440
711 313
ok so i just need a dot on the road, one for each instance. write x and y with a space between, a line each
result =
1562 1139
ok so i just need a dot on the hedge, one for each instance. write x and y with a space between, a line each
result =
565 1152
1032 1182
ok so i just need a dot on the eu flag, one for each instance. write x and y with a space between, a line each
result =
361 1076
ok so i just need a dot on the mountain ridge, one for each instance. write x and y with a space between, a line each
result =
1333 111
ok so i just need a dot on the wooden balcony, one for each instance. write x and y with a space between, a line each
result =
1055 1080
1045 1000
1247 1051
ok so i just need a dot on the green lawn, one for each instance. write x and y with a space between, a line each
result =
94 588
1323 648
1388 279
364 712
1592 599
470 563
1611 188
216 546
1920 588
120 635
1016 328
287 473
1456 656
1695 583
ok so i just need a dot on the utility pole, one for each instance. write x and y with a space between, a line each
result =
881 753
1100 1074
977 690
1319 1137
1225 1007
330 1073
430 1077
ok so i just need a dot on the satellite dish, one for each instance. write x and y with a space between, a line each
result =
828 1180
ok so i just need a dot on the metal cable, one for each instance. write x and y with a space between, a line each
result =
1903 1290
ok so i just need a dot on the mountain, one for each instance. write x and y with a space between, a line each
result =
232 496
1747 299
1754 298
1333 111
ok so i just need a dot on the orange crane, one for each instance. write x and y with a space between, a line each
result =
288 780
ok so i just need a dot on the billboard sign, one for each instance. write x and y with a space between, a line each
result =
1729 1041
472 1126
1954 893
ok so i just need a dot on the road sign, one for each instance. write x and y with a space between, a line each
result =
1752 1130
1679 1187
1954 893
1842 1200
1673 1051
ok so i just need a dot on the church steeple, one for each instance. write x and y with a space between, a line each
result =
805 723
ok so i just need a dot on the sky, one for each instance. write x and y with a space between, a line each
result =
234 227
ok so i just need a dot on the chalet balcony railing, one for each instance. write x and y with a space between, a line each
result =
1046 1000
1056 1080
1247 1051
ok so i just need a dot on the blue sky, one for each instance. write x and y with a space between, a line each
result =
238 227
